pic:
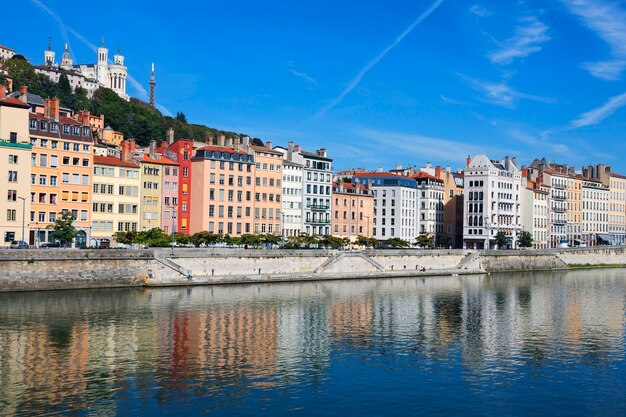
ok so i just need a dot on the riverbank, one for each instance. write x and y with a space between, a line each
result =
28 270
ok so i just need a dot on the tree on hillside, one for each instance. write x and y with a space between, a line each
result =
525 239
63 229
180 116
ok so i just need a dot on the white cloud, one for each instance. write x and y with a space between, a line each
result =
530 34
501 94
356 80
595 116
480 11
608 20
304 76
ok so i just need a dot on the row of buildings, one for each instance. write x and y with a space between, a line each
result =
56 161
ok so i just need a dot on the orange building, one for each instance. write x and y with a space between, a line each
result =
61 176
267 189
222 190
353 210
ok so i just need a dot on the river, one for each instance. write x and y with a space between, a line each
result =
535 344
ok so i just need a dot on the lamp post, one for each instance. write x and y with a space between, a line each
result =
367 231
23 215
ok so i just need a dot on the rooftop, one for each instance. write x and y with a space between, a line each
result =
109 160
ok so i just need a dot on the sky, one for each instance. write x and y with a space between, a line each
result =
376 83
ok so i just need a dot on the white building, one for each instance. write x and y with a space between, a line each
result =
430 207
395 205
595 212
6 53
88 76
535 216
292 198
316 192
492 203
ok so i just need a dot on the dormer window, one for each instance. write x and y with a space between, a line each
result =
66 129
54 128
43 126
85 132
76 131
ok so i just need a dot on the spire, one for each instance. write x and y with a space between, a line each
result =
102 43
67 47
152 88
49 43
118 47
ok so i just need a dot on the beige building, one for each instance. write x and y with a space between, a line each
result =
617 208
536 214
595 210
353 209
15 150
116 199
267 189
573 211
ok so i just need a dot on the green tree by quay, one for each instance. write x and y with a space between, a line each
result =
396 242
525 239
501 240
63 229
424 240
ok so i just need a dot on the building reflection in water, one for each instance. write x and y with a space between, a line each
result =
81 350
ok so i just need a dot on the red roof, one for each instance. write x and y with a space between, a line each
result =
221 149
424 175
349 185
14 102
265 149
616 175
162 160
7 48
109 160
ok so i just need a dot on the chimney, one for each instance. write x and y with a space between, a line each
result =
290 150
24 94
514 160
152 149
468 160
128 147
357 186
51 108
229 142
321 152
220 140
380 169
297 148
236 146
607 169
438 171
169 136
428 165
3 92
269 144
448 169
507 163
398 166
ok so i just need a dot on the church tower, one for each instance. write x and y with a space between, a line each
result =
102 65
152 87
66 60
118 74
48 56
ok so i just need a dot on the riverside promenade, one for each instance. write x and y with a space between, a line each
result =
28 270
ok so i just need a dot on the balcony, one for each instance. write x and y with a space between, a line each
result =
318 207
558 197
318 221
558 209
559 186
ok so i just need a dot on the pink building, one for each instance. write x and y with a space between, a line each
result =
169 202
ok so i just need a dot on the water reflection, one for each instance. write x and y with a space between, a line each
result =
288 348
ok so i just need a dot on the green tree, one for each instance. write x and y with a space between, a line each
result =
502 240
424 240
125 238
180 116
204 238
443 241
251 240
63 229
181 238
154 237
396 242
270 239
525 239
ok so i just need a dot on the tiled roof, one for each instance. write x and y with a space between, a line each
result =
7 48
30 98
616 175
314 155
349 185
265 149
424 175
221 149
162 160
109 160
13 102
376 174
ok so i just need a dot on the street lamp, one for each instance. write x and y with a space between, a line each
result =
367 231
23 215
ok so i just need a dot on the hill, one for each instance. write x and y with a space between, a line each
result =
134 118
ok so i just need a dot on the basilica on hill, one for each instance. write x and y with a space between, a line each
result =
88 76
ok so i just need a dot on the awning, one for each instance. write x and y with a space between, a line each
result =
606 238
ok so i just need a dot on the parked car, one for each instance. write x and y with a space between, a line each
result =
19 244
51 245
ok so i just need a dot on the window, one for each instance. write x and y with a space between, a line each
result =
11 215
12 159
12 176
12 195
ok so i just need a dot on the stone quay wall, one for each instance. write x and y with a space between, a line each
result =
24 270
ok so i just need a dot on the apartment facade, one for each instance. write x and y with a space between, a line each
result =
181 152
353 209
595 212
169 190
492 202
61 175
15 154
535 215
395 205
317 186
430 208
617 208
292 198
268 177
116 199
222 191
151 175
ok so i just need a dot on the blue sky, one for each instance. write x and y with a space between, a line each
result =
377 83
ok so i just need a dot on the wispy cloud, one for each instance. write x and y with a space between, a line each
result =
595 116
537 142
164 110
449 100
302 75
426 147
608 20
530 34
480 11
356 80
501 94
141 90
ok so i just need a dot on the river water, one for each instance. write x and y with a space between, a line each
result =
537 344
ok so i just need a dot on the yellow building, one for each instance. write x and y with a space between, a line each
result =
15 149
116 200
574 210
61 160
111 137
267 189
617 208
151 175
